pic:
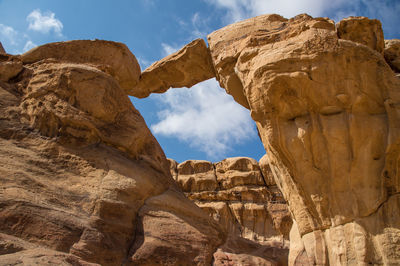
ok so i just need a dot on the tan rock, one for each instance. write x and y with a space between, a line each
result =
10 66
111 57
392 54
254 216
238 171
327 142
326 106
196 175
83 178
266 171
362 30
184 68
2 51
173 168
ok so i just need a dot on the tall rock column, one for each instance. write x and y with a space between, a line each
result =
327 110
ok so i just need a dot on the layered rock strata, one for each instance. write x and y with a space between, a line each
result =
235 193
326 104
83 180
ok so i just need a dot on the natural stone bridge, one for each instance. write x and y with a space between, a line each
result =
326 105
85 181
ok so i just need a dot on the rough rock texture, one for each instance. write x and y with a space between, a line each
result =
392 54
83 180
2 51
362 30
185 68
112 58
10 67
326 105
235 194
327 112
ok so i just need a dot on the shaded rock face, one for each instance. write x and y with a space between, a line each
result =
253 215
392 54
326 104
83 180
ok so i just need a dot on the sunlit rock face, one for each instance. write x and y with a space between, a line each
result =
327 112
83 181
242 197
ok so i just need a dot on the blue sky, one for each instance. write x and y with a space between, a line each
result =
198 123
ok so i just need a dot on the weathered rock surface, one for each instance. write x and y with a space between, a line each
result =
327 112
362 30
235 194
184 68
112 58
83 180
2 51
392 54
326 105
10 67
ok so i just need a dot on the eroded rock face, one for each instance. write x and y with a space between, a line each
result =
185 68
362 30
327 112
392 54
235 194
326 105
83 180
2 51
112 58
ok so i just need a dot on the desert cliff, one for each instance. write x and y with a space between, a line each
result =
85 182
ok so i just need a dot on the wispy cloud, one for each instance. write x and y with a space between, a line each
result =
45 22
205 117
168 49
9 34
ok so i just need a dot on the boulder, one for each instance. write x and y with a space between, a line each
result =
112 58
362 30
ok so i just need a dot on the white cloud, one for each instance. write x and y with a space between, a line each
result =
9 34
168 49
205 117
29 45
44 23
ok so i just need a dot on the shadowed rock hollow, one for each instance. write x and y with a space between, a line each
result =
84 181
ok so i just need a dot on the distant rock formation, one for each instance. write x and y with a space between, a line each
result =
326 101
250 208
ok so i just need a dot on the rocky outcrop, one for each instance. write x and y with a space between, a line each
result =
184 68
327 112
2 51
392 54
235 193
326 105
362 30
83 179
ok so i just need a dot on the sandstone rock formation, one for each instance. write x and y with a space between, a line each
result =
235 194
184 68
83 180
392 54
326 105
2 51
